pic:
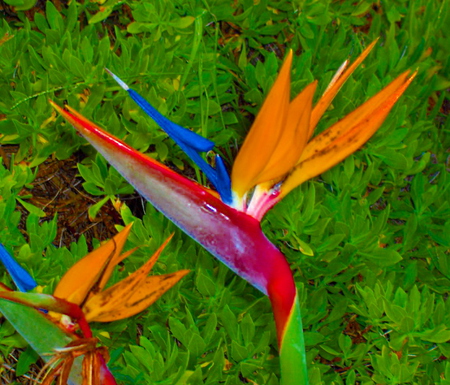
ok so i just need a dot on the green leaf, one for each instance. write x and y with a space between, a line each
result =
183 22
205 284
31 208
304 247
384 257
27 358
438 335
54 17
21 5
312 339
101 15
94 209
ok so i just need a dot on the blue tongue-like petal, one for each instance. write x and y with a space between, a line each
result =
176 132
23 280
223 181
190 142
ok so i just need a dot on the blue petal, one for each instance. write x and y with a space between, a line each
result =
176 132
223 181
23 280
190 142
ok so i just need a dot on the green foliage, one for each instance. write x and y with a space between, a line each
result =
368 240
101 180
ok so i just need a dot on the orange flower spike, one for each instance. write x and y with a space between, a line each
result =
291 144
264 135
335 85
293 137
79 280
109 269
143 296
113 297
348 122
346 136
131 295
282 128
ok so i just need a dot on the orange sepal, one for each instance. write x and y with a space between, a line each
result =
116 300
333 88
264 134
293 137
91 271
142 297
346 136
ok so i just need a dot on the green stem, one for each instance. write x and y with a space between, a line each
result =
292 351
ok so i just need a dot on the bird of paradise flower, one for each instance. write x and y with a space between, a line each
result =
277 155
80 298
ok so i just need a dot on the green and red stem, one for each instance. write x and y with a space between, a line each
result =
286 309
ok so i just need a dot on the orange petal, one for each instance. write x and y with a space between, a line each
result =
114 297
353 118
144 296
87 274
335 85
347 135
293 137
110 266
264 135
